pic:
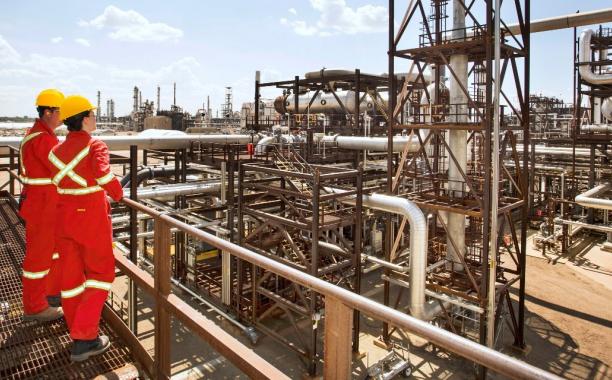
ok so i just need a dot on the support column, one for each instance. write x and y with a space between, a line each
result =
132 290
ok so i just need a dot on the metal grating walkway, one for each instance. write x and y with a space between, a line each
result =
38 350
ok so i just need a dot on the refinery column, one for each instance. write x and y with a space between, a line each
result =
457 138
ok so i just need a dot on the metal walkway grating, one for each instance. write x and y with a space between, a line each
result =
38 350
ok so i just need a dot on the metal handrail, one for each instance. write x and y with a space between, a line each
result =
341 302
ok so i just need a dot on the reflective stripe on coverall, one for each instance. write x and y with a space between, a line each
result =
82 174
41 276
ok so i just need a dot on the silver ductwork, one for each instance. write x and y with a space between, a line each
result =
591 198
374 144
584 57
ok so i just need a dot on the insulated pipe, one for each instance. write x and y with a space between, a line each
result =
591 198
595 227
564 22
584 57
375 144
158 142
165 191
261 146
150 173
419 308
385 263
596 128
418 247
560 151
572 20
325 103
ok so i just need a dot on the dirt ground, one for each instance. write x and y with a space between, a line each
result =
569 312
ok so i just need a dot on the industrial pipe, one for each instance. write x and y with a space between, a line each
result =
564 22
385 263
419 308
263 144
149 172
375 144
325 103
584 57
591 198
212 187
164 142
595 227
596 128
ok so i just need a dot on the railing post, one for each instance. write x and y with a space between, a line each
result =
162 236
338 328
132 290
11 167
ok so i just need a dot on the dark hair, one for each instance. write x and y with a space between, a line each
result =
41 110
75 123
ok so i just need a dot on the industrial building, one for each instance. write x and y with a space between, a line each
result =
318 233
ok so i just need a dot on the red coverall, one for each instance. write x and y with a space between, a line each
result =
83 177
41 276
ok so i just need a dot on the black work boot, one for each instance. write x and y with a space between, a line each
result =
54 301
83 349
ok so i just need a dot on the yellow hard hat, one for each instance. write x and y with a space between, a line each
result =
74 105
50 98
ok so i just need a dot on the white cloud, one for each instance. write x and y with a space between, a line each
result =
132 26
82 41
300 27
56 40
7 53
336 17
23 75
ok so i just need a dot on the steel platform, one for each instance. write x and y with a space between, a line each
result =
31 350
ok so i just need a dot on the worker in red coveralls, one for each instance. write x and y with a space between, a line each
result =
41 284
83 178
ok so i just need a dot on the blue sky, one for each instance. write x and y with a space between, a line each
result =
82 47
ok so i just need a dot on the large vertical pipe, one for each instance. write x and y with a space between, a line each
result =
174 94
158 98
135 98
98 115
458 138
208 115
